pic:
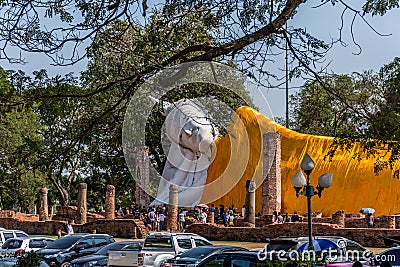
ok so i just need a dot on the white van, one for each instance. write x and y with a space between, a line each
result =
6 234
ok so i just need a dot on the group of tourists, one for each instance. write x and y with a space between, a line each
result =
155 218
278 218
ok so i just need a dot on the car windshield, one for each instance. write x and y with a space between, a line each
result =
116 246
64 242
278 245
12 244
158 241
197 253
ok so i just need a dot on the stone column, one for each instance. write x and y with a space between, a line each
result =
143 181
210 217
392 222
82 204
250 205
172 218
43 208
339 218
110 202
272 185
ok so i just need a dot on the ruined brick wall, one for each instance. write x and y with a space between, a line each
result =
65 213
380 222
365 236
127 228
7 213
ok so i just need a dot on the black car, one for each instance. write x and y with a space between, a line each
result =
389 257
100 257
195 255
235 259
62 251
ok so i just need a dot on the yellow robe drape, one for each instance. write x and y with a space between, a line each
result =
238 158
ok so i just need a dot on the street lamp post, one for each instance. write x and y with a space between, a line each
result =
303 186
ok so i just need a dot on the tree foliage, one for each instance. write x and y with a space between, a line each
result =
127 41
359 108
19 126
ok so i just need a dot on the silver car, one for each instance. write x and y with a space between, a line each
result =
12 261
20 245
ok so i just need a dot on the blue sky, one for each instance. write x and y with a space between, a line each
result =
322 22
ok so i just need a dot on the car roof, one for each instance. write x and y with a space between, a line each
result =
389 249
218 247
86 235
244 253
172 234
301 238
19 238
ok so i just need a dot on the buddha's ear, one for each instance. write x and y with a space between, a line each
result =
163 105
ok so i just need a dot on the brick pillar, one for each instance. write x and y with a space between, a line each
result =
142 197
81 211
392 222
43 208
339 218
110 202
271 187
172 218
397 221
250 205
210 217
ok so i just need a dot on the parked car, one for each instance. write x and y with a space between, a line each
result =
12 261
234 259
7 234
388 257
19 245
195 255
62 251
100 257
157 248
125 256
334 248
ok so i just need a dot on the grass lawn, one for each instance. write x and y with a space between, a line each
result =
248 245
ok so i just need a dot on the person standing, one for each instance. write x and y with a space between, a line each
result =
295 217
203 216
152 217
181 221
216 215
370 220
225 218
280 218
275 217
212 208
70 229
162 220
231 217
